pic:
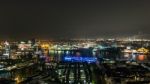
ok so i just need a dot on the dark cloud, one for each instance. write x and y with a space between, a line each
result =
73 19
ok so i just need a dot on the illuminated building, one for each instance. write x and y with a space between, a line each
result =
6 53
143 50
80 59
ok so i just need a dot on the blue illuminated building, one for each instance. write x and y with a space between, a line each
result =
80 59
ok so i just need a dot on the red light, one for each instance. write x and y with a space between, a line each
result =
141 57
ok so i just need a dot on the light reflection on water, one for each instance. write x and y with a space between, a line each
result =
20 74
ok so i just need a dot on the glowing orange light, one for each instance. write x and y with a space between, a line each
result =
45 46
141 57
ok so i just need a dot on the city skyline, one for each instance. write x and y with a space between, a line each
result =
73 19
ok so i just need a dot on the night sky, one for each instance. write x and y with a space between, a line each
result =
74 19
